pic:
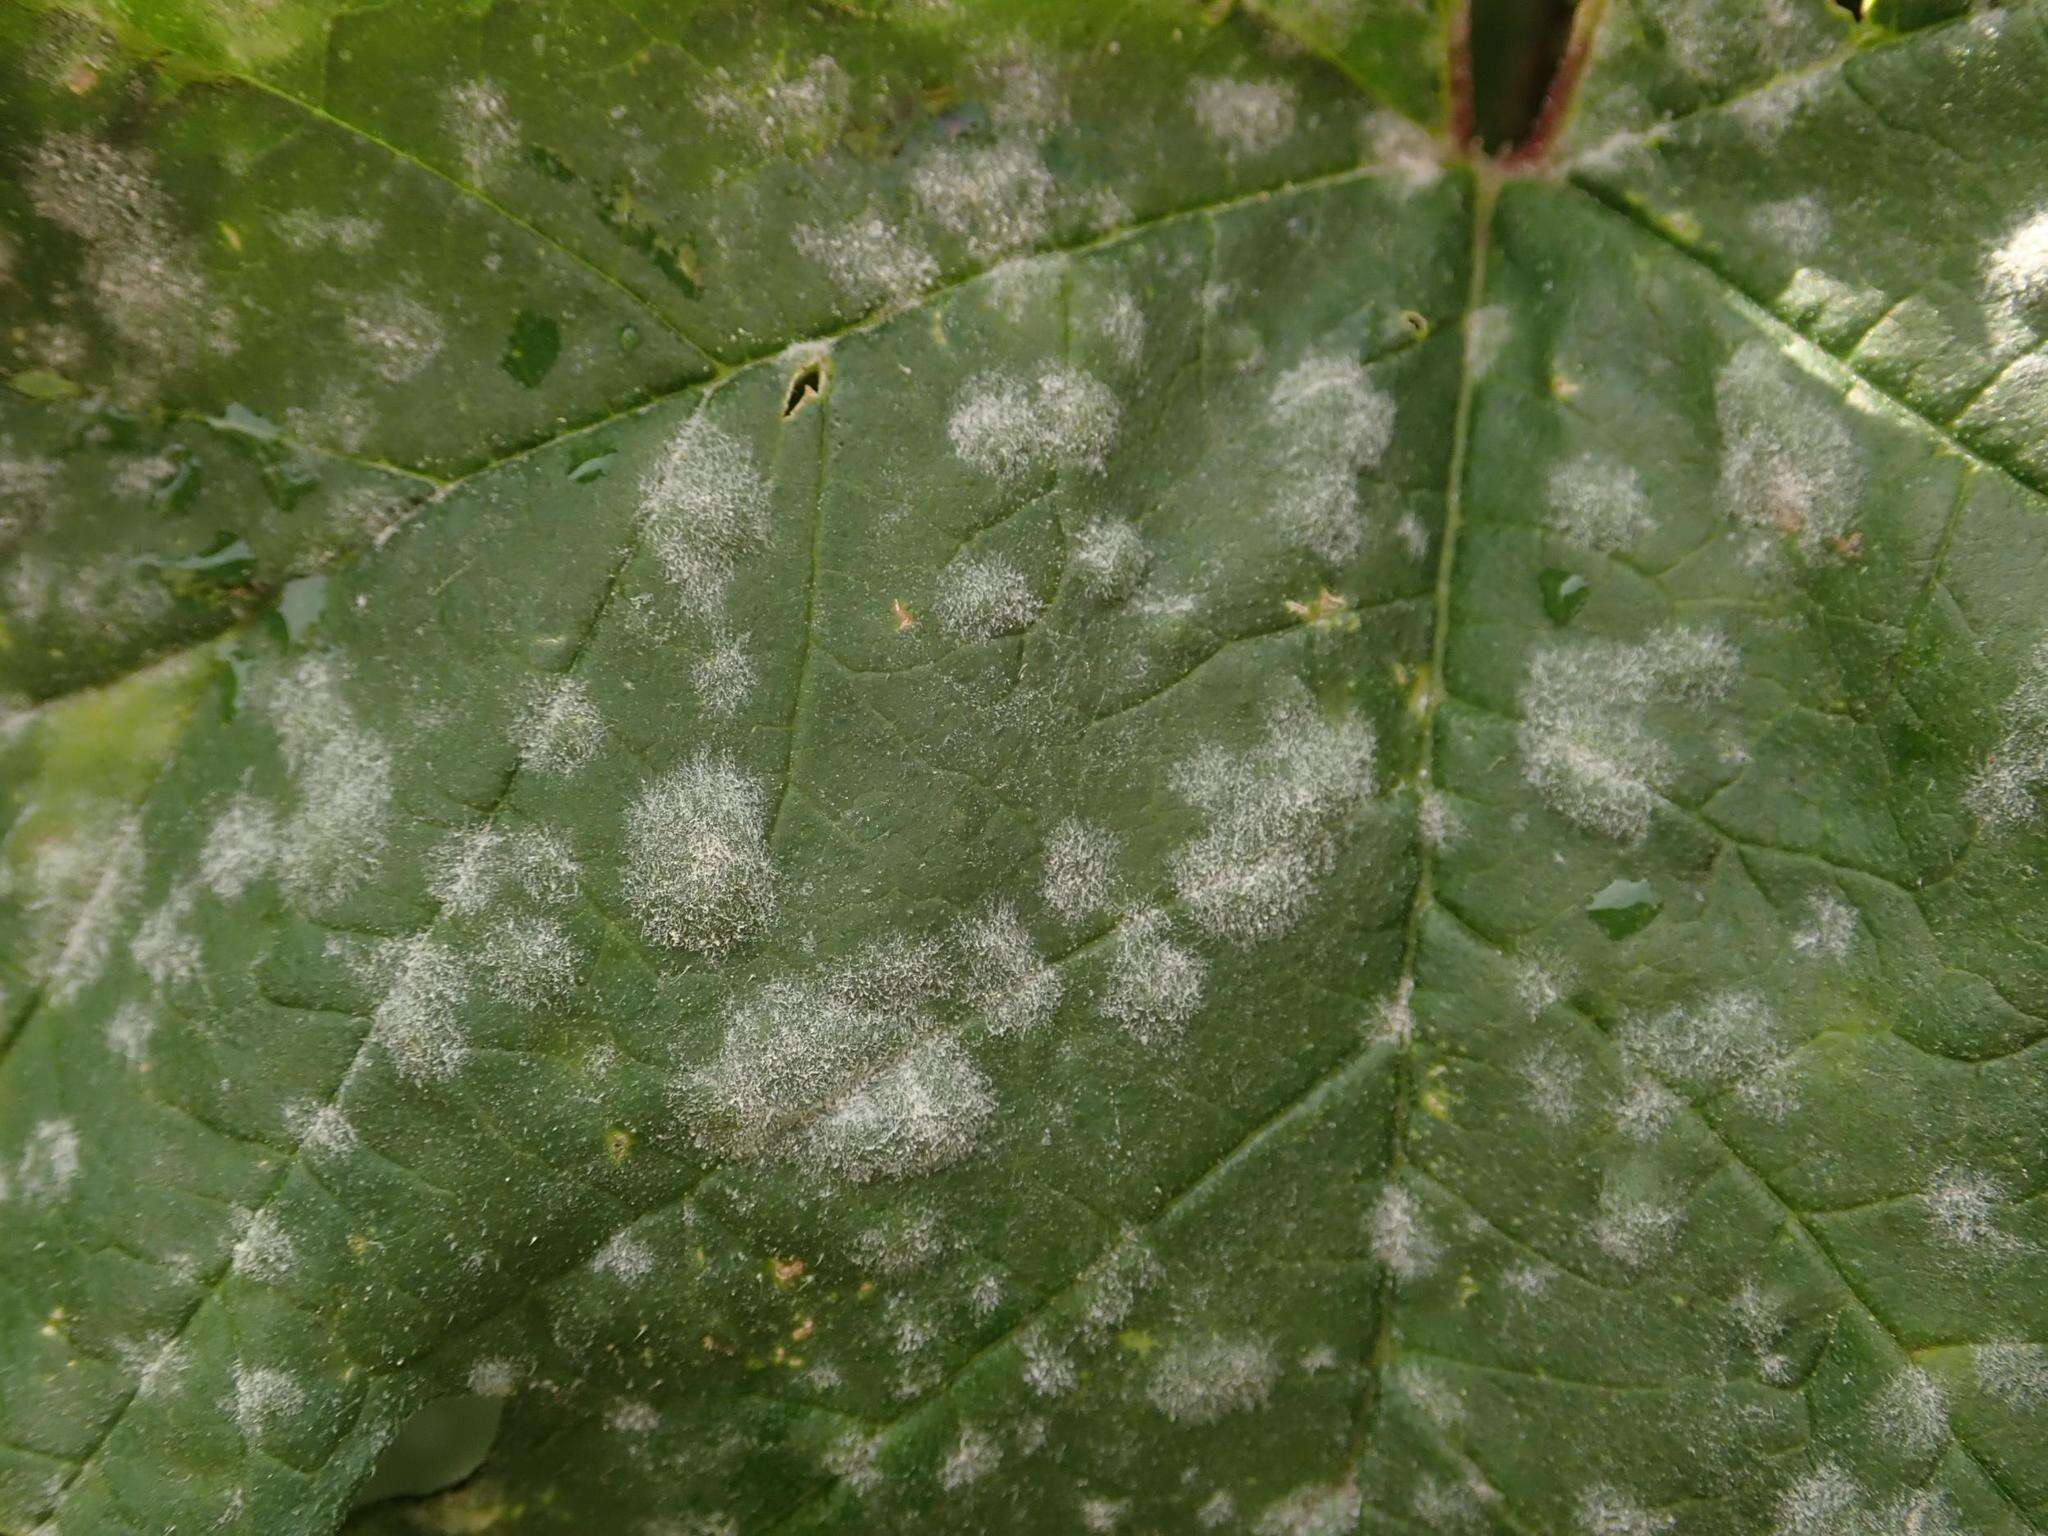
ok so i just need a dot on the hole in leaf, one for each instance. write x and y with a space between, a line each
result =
1855 8
441 1445
809 384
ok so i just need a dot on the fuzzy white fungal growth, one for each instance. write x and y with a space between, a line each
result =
81 888
2016 277
2002 795
1317 1510
1401 1239
398 335
164 948
1275 815
1080 869
1047 1369
1553 1080
1830 931
1122 325
470 872
1789 464
974 1456
1110 559
418 1022
624 1257
128 1032
725 678
50 1162
1598 503
1632 1228
982 596
919 1114
1586 746
560 730
532 960
1155 985
1707 1044
1912 1412
1604 1510
323 1130
147 277
2014 1374
784 114
1063 419
1006 979
1330 423
265 1399
1245 117
1963 1206
496 1376
996 197
1198 1381
333 839
869 259
703 507
698 870
1825 1502
481 124
262 1249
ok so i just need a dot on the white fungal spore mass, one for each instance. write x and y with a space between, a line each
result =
703 506
1329 423
1064 418
698 870
1275 815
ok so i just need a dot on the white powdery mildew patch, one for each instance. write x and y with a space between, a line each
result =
1400 1238
1330 423
975 1455
1963 1207
1065 418
1722 1039
2002 795
1005 979
266 1399
698 870
1274 814
49 1164
262 1250
724 679
1048 1371
1760 1321
1912 1412
479 120
497 1376
1245 117
469 872
1599 503
869 259
2015 1374
531 960
1155 985
917 1115
624 1257
1122 324
242 846
1198 1381
1317 1510
1632 1228
333 838
148 278
164 947
1586 747
323 1130
398 335
1080 869
1605 1510
797 1077
983 596
80 889
996 197
785 114
1789 464
560 729
2016 279
1110 559
128 1032
1825 1502
1553 1084
703 507
1830 929
418 1022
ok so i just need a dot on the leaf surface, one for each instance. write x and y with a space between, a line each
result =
1009 769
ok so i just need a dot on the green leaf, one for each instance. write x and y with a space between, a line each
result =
886 767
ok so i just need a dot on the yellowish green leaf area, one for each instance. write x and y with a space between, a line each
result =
1003 766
